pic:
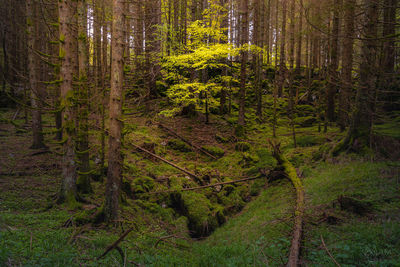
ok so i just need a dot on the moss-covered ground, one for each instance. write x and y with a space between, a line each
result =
245 224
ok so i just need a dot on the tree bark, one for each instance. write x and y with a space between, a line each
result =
68 72
33 63
243 76
359 134
114 174
334 63
83 182
347 63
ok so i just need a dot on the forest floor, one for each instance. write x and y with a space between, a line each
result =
257 231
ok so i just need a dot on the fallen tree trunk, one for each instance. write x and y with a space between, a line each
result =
204 186
186 141
197 179
291 173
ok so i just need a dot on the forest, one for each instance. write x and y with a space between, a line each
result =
199 133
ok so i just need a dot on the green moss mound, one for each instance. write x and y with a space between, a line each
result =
215 151
179 145
203 216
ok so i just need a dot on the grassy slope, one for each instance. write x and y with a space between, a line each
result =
259 235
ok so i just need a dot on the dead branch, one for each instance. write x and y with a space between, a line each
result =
115 244
173 133
327 251
197 179
204 186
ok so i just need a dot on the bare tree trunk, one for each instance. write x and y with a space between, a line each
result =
334 63
83 182
347 63
243 76
299 38
114 174
33 65
68 72
282 64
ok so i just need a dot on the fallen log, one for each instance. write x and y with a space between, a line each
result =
204 186
294 252
173 133
197 179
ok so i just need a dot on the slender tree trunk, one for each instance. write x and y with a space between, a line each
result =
334 63
33 75
244 40
68 72
299 38
282 64
347 63
114 174
83 182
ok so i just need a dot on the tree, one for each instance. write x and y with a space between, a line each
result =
114 173
244 37
347 63
359 134
33 65
68 75
83 182
334 63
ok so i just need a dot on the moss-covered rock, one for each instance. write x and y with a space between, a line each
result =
202 215
214 150
242 146
179 145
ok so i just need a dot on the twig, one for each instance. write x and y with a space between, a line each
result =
186 141
115 244
327 251
170 163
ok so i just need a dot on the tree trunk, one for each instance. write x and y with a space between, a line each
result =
358 136
68 70
347 63
33 64
334 63
83 182
282 64
114 174
244 40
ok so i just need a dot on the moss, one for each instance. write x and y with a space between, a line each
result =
221 139
242 146
304 110
309 140
230 197
248 160
142 184
215 151
305 121
201 214
240 131
179 145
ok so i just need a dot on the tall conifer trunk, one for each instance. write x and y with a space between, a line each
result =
68 73
114 174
